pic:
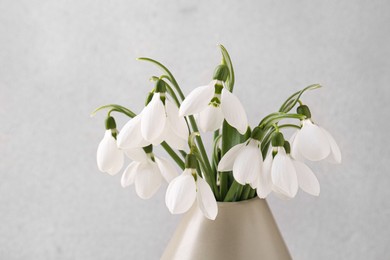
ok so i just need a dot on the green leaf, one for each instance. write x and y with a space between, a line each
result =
228 62
293 99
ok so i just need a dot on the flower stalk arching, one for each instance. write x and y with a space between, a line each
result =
194 126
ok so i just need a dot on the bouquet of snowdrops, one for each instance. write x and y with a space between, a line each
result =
245 162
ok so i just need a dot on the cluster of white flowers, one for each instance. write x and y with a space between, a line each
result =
282 171
164 121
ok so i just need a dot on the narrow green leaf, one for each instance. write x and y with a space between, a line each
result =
293 99
228 62
115 107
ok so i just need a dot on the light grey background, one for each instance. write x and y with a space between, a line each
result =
61 59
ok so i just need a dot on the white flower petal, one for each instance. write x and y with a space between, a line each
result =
206 200
167 169
210 119
312 142
178 123
233 111
264 182
279 194
294 148
153 119
117 164
136 154
307 181
147 180
283 174
130 135
335 150
248 163
109 158
181 193
227 161
197 100
129 174
174 140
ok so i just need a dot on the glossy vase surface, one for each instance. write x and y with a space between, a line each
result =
242 230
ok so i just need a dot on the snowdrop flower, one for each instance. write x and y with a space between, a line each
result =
245 160
109 157
159 121
283 174
312 142
147 172
214 103
188 187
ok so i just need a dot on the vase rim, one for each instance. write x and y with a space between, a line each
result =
227 204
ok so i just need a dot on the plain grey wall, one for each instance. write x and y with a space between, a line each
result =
61 59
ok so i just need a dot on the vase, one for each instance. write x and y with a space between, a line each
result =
242 230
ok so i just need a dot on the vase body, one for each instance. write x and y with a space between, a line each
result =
242 230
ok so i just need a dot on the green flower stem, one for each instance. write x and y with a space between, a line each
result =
267 138
293 99
234 192
174 156
246 191
117 108
274 119
208 173
215 158
172 94
252 194
223 183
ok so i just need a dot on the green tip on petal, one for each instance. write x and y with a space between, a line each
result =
287 147
149 98
221 72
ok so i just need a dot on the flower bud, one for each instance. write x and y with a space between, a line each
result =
221 73
304 110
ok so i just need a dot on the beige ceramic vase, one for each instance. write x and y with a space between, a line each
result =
242 230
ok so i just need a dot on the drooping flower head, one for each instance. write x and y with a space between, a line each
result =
159 121
312 142
283 174
109 158
188 187
147 171
245 160
214 103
